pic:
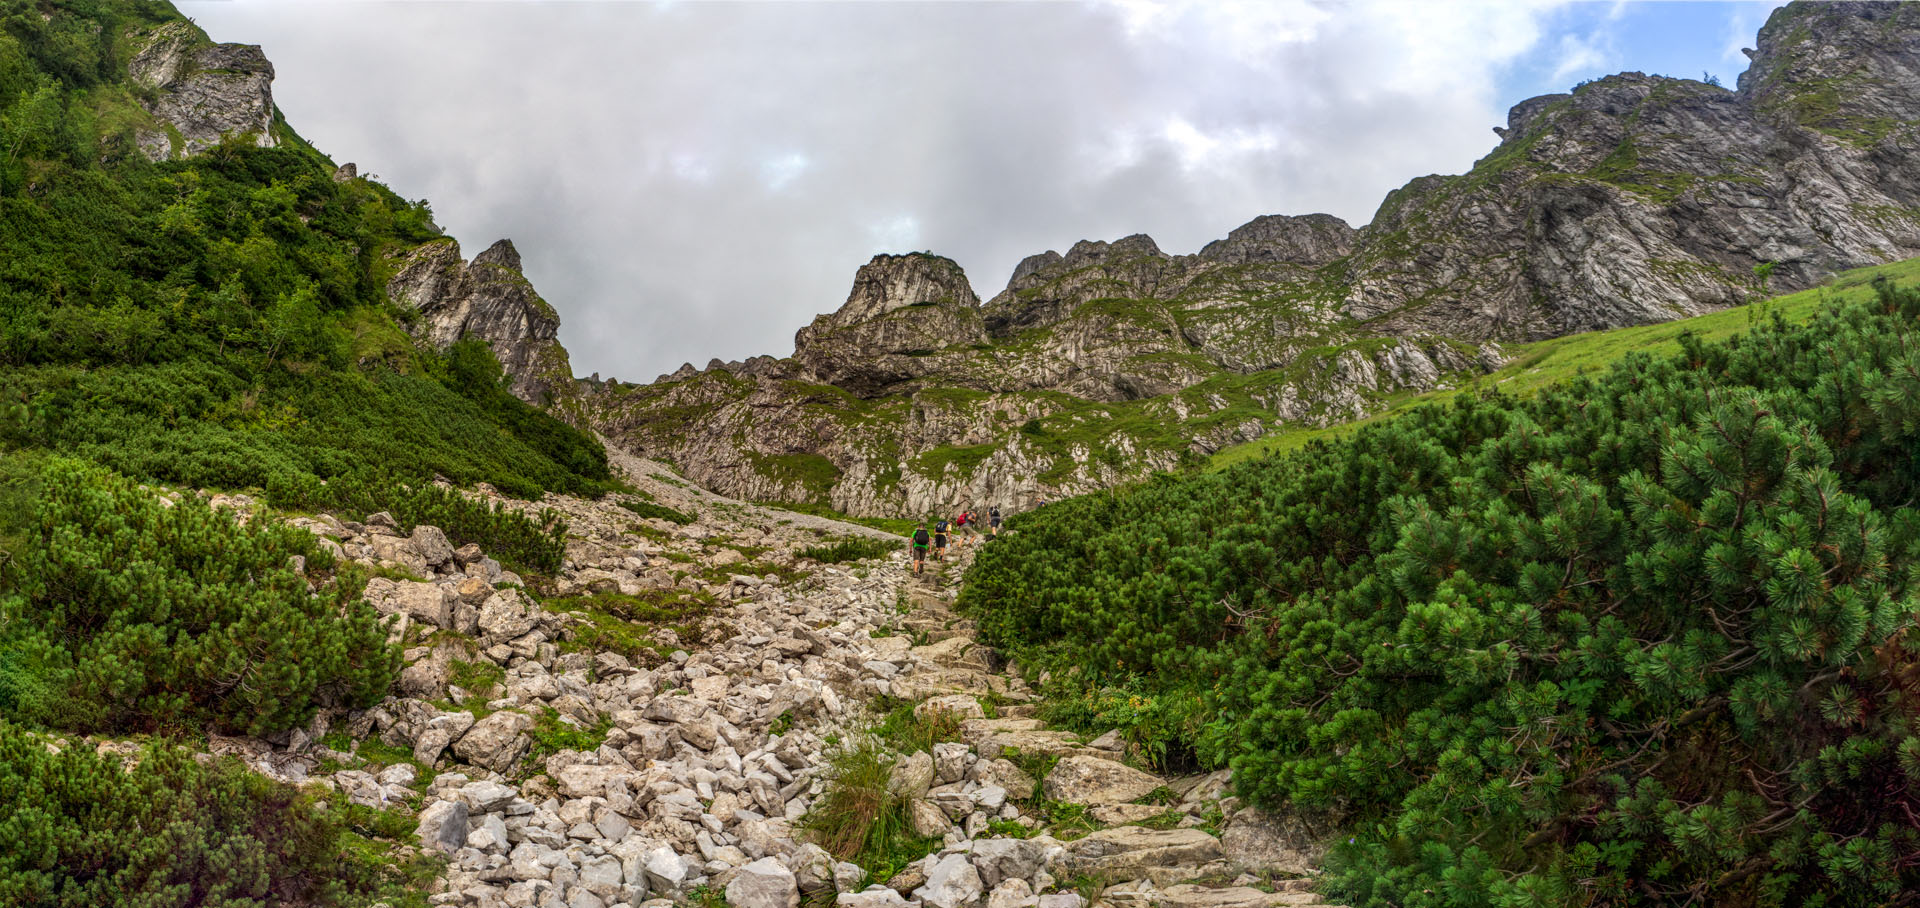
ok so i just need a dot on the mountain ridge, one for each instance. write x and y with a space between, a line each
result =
1633 199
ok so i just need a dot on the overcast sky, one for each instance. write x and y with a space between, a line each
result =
695 180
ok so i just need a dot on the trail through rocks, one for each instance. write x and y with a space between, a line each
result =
550 767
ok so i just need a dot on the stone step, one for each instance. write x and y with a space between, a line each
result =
1189 895
1135 852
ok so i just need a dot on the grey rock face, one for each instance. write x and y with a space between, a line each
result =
206 92
490 300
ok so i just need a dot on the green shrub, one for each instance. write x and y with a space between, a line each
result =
657 511
1643 639
515 540
78 829
125 614
858 548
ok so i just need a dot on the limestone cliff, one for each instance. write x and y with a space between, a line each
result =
200 93
488 299
1629 200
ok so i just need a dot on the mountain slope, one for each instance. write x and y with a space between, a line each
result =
1631 200
189 292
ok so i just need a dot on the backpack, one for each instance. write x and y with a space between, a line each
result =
961 520
919 537
940 528
994 513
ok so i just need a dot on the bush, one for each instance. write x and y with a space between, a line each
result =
1645 638
515 540
78 829
850 549
656 511
125 614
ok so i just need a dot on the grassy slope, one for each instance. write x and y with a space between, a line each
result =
1549 362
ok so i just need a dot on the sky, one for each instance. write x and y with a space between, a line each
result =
698 180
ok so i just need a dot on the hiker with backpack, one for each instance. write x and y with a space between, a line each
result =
919 547
993 521
940 540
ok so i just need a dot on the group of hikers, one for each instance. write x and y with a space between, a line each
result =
961 529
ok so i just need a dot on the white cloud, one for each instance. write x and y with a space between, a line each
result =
700 179
897 234
778 171
1583 55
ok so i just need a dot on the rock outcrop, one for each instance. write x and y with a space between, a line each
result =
1631 200
201 93
487 299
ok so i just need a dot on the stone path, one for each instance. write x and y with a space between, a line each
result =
555 774
1149 851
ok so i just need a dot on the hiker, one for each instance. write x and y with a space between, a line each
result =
940 540
919 547
993 521
960 531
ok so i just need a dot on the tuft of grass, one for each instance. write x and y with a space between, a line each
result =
707 896
908 733
478 677
857 819
552 733
616 622
1008 829
1035 765
1162 795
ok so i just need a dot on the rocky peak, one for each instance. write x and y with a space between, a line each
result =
1087 253
500 254
206 92
1826 65
1313 240
487 299
891 282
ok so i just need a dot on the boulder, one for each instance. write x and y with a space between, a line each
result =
1256 840
951 883
666 871
912 776
959 706
496 742
486 797
1096 780
1004 773
927 819
881 897
999 860
505 616
765 883
399 552
1013 893
432 545
950 763
443 827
